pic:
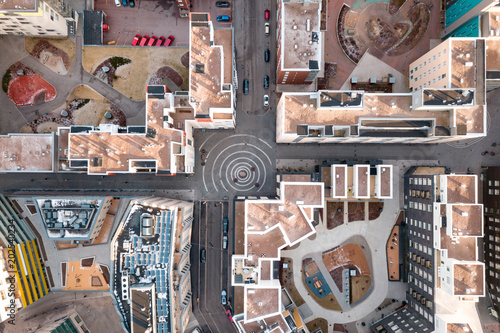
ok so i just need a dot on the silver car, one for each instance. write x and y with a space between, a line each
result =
223 295
266 100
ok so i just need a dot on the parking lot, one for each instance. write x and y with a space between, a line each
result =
209 6
158 18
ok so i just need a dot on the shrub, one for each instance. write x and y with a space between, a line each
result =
6 80
82 103
118 61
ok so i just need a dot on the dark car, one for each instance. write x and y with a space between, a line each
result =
224 226
131 3
267 55
245 86
125 3
266 82
170 40
136 40
267 14
203 255
223 4
223 18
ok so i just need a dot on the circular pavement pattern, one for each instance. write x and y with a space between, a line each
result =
469 142
239 163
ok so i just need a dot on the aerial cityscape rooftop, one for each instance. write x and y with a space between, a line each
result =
296 166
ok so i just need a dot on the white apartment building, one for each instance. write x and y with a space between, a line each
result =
36 18
446 102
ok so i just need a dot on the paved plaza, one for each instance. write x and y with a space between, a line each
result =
362 231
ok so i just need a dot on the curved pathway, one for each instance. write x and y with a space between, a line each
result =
375 233
62 83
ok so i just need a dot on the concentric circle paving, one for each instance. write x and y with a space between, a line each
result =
239 163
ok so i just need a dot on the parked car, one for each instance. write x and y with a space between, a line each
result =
203 255
131 3
267 28
136 40
267 55
169 40
223 18
160 41
223 296
245 86
224 226
229 315
223 4
196 330
125 3
224 242
144 40
266 100
267 14
152 40
118 3
266 82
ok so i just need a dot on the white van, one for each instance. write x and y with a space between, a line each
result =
266 28
118 3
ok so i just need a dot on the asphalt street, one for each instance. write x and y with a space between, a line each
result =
250 48
209 278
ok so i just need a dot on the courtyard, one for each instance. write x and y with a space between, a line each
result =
341 273
390 34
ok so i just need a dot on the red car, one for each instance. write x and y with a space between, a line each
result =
136 40
267 13
152 40
170 40
229 315
160 41
144 40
